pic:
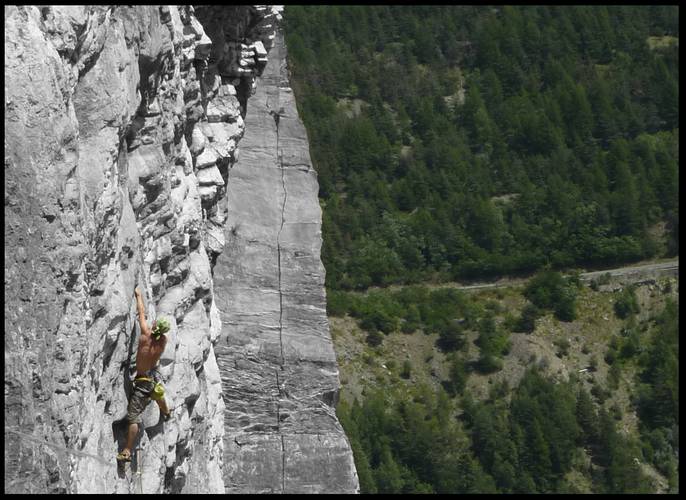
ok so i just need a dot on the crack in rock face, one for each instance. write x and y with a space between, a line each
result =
122 126
269 286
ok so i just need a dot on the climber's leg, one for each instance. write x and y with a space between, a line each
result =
125 454
166 413
139 400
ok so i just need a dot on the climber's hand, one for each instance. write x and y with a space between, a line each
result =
137 292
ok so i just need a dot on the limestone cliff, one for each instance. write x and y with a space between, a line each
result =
121 169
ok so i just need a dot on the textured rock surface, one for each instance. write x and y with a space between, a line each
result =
275 354
121 125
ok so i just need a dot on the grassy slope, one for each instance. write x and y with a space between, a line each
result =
362 366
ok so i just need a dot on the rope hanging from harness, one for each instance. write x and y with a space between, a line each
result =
55 446
139 472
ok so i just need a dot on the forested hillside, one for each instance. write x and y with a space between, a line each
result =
467 141
470 142
490 403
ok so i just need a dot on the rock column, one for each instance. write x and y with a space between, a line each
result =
275 355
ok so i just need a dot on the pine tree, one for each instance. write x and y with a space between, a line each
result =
587 418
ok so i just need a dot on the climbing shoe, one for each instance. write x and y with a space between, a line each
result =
124 456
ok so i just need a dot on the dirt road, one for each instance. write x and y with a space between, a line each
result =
670 268
630 273
633 273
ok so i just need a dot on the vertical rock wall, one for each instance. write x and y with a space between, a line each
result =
275 354
121 124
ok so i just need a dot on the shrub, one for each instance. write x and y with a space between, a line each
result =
407 369
593 363
544 289
450 336
616 411
599 393
631 345
408 327
526 323
436 305
337 303
509 322
494 306
412 319
565 308
562 346
374 338
550 290
574 278
378 320
613 376
489 364
626 303
499 390
492 340
610 355
458 376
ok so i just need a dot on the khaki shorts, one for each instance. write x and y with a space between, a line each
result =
143 391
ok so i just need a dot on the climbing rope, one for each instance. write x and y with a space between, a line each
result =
139 469
29 437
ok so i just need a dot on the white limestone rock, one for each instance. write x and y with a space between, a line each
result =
223 137
210 176
260 51
207 193
198 141
208 158
111 218
121 205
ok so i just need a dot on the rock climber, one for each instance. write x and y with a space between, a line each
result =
146 385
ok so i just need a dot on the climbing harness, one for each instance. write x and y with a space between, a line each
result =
157 392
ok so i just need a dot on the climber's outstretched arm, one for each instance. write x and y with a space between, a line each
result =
141 312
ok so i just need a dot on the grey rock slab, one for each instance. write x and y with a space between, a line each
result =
255 203
327 453
254 463
275 354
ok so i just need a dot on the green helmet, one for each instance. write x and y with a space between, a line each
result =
162 326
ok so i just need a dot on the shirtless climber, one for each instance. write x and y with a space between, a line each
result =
146 385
